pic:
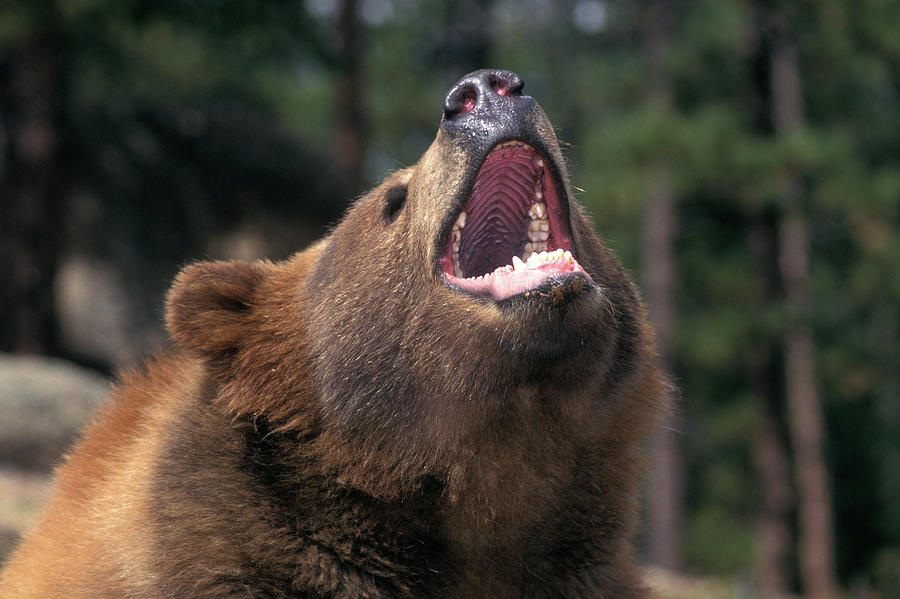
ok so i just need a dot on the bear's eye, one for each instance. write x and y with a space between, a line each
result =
395 199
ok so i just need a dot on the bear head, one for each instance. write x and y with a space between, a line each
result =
465 303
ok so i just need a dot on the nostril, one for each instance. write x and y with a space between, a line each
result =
469 98
506 83
460 100
478 92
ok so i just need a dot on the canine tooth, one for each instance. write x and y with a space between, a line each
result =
460 221
538 211
517 263
540 163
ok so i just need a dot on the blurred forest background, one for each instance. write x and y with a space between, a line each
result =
741 157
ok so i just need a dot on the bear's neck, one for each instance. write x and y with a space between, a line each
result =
514 492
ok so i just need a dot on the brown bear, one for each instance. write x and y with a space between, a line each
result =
444 397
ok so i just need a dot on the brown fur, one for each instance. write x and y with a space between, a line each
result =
344 425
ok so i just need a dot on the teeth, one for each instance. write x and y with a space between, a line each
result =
512 144
538 227
538 231
456 236
536 259
535 246
517 263
538 210
460 221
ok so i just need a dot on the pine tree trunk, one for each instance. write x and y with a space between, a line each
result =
773 560
659 229
350 143
30 201
806 412
774 538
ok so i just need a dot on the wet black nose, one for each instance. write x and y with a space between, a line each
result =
488 107
484 91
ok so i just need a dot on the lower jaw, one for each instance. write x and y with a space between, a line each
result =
520 277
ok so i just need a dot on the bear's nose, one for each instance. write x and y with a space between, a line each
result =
481 92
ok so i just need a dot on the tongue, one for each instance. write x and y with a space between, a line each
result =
519 277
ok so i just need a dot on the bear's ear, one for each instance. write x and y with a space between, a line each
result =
208 307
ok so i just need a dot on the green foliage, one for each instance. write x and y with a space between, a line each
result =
718 541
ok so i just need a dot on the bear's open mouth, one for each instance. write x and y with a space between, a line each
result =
513 232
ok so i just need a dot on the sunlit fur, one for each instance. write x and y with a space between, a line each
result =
342 424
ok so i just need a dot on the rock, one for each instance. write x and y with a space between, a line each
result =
22 495
44 403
